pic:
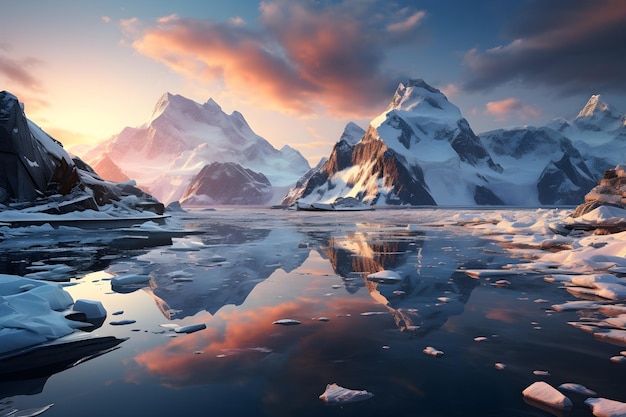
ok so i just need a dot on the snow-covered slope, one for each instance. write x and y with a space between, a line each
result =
420 150
599 132
182 136
541 166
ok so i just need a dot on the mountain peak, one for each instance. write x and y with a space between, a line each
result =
595 106
423 101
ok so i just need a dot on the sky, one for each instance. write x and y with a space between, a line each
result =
300 70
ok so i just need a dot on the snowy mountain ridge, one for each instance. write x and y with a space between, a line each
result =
421 150
181 137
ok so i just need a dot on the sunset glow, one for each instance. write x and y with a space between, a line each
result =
300 70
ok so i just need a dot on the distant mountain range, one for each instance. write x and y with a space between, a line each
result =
421 151
182 139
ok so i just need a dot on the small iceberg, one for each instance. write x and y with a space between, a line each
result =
130 279
191 328
546 394
429 350
577 388
603 407
287 322
337 395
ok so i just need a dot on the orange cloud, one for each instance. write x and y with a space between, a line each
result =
509 107
302 58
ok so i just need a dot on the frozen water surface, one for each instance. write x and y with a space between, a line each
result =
368 279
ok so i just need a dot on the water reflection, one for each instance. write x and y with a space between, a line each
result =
269 276
420 302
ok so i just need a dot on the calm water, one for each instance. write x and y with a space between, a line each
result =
238 271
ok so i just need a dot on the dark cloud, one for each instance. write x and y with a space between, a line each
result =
571 46
301 55
19 71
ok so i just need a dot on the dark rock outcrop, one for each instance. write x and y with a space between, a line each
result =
227 184
37 174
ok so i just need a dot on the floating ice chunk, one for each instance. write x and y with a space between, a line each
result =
615 336
29 412
130 279
501 283
287 322
541 373
429 350
619 321
337 395
603 407
578 388
217 258
546 394
91 309
323 319
483 273
480 339
122 322
443 299
373 313
385 277
618 359
190 328
412 227
500 366
576 305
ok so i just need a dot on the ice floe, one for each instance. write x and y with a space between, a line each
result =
32 312
338 395
577 388
545 393
603 407
287 322
429 350
190 328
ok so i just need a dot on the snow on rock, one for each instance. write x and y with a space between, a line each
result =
603 407
385 277
337 395
544 393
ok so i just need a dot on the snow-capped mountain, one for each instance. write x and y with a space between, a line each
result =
419 151
599 132
182 136
38 175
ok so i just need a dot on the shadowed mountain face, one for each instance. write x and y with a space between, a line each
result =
38 174
227 184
